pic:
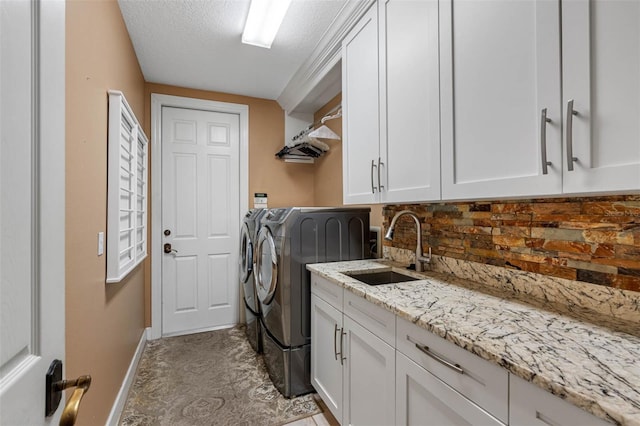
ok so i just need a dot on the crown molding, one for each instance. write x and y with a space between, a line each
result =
318 72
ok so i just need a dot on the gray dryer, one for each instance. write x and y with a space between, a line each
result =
288 240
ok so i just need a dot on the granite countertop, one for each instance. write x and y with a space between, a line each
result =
593 364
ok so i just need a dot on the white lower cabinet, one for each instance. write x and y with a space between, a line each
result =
368 377
530 405
352 369
326 367
423 399
373 368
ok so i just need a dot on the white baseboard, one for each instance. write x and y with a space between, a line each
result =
121 398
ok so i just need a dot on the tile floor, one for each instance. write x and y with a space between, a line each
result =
321 419
190 380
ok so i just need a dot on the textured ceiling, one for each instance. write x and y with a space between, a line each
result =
196 43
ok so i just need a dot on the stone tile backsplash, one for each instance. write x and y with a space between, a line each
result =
594 239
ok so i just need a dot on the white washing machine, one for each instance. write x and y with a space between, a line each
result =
288 240
248 237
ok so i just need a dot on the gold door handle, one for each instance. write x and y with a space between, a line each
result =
70 412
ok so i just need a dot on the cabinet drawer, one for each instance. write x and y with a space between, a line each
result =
482 382
326 290
377 320
531 405
423 399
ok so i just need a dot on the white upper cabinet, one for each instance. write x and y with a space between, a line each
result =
460 99
499 75
409 100
601 74
500 79
360 129
391 135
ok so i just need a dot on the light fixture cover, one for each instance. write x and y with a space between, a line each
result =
263 21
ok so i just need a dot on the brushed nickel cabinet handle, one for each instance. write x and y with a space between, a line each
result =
570 113
335 342
342 357
544 419
543 141
425 349
380 164
373 187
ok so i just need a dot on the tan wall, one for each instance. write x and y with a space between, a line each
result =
286 184
104 322
328 168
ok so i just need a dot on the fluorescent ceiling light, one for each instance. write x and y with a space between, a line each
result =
263 22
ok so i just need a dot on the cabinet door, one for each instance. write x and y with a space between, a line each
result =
499 69
326 368
369 377
601 74
360 120
423 399
409 100
529 405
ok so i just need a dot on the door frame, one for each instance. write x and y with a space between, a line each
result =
157 102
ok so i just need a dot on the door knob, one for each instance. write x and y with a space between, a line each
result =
55 385
168 249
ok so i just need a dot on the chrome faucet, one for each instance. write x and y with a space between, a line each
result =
389 236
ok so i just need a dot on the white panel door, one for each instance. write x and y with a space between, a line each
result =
32 219
361 162
326 367
369 377
499 70
200 214
410 100
601 74
423 399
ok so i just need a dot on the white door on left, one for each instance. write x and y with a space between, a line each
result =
200 219
32 222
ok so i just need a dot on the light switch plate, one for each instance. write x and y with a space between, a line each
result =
100 243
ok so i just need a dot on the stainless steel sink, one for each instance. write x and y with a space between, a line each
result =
382 277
